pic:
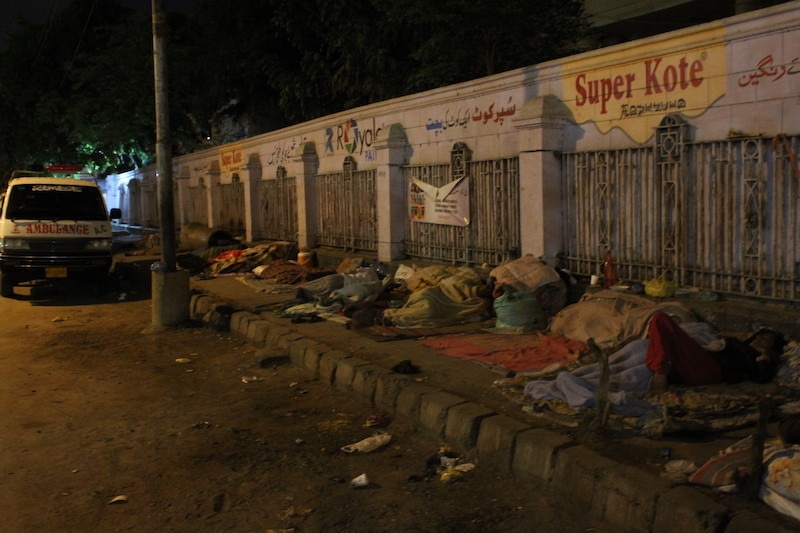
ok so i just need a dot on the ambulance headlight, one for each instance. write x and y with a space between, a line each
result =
98 245
14 244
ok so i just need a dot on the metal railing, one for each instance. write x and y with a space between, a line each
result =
719 215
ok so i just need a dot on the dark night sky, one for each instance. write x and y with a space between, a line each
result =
37 11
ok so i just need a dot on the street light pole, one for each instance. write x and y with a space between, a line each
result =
170 287
166 209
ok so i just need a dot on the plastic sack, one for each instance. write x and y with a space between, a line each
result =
660 288
519 310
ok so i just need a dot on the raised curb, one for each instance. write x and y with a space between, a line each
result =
685 510
629 498
535 454
463 423
497 437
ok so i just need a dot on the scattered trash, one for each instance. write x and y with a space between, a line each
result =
369 444
406 367
680 466
295 511
447 465
679 470
449 475
376 421
122 297
183 360
250 379
360 481
122 498
307 319
58 319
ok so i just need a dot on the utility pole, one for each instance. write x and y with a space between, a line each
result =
170 288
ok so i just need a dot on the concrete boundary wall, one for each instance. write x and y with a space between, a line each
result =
737 76
615 494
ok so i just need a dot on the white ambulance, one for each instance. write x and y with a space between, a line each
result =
53 227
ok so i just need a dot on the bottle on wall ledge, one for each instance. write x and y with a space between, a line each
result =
609 271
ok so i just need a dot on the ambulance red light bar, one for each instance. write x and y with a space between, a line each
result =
64 168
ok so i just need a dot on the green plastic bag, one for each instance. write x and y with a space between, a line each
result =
519 310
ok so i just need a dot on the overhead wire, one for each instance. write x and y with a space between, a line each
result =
50 18
78 46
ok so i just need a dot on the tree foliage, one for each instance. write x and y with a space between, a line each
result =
79 86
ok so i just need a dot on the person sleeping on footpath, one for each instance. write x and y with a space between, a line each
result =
687 354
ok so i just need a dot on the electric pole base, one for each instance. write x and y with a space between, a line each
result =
171 298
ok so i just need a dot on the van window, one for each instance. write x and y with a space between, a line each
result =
40 201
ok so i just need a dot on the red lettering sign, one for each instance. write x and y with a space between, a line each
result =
658 78
57 229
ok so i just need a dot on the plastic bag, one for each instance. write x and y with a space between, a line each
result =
660 288
519 310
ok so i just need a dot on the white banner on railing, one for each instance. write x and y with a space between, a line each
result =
448 204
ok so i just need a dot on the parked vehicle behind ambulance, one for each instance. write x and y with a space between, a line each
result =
53 227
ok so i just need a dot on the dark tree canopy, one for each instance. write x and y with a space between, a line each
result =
78 88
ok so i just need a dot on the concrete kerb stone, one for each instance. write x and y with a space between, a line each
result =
193 301
617 493
365 380
496 440
433 411
747 522
328 364
311 361
685 510
535 454
236 320
346 372
387 388
297 350
202 305
409 399
285 339
627 496
577 472
243 323
275 333
257 332
463 423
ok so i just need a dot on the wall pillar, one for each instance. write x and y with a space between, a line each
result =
391 193
182 198
252 218
307 216
212 196
541 125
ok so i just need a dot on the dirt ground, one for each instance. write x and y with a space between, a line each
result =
189 430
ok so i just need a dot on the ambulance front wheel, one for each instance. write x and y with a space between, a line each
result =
6 285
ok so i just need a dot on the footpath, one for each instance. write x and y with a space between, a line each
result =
619 477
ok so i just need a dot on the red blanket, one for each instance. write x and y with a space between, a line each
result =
520 353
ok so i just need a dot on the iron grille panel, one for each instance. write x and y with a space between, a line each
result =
718 215
492 236
277 200
346 204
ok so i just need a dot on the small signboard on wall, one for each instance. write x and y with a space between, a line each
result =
448 204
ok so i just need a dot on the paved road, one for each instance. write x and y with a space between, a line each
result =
95 408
